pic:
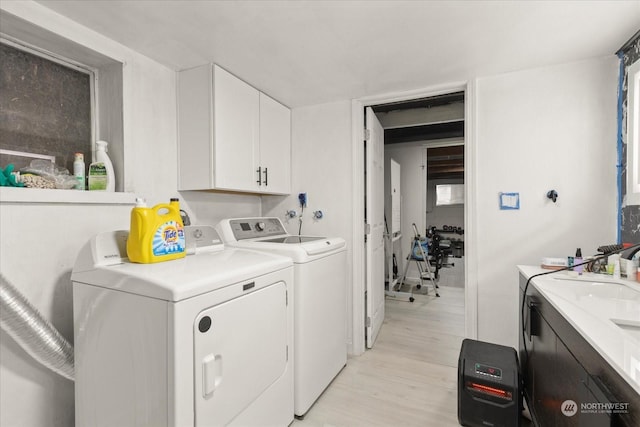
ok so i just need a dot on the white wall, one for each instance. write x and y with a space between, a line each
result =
411 200
40 241
537 130
321 167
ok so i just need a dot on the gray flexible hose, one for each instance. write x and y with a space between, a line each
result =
35 334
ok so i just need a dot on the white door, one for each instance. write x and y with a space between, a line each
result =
240 350
374 208
275 147
236 126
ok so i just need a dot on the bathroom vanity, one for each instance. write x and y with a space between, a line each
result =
580 349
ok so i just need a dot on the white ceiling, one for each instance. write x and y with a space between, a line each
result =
311 52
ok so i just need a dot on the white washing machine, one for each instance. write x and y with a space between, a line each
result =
206 340
319 299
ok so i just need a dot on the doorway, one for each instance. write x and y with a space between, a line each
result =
410 137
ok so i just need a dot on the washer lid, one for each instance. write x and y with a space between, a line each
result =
310 245
299 252
178 279
292 240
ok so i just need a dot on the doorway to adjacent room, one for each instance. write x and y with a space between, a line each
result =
425 135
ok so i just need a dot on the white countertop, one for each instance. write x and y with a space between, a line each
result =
589 302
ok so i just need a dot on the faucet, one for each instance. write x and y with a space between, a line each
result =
630 252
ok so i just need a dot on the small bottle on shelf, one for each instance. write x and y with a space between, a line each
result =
79 171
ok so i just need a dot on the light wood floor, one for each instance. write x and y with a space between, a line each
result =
409 378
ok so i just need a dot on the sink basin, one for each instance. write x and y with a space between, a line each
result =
630 327
587 287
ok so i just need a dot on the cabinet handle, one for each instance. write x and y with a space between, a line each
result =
259 170
266 177
533 328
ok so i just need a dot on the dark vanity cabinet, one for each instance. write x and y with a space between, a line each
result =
566 381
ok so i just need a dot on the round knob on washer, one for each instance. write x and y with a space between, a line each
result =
260 226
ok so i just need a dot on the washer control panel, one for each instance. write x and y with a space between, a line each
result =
251 228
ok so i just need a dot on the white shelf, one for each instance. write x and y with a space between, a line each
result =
38 195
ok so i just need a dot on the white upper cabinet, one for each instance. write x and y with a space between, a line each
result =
275 146
236 126
230 135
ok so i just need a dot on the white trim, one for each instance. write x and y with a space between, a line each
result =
358 285
48 55
633 135
470 214
52 159
357 124
39 195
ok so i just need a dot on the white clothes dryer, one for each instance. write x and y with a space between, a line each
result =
320 303
206 340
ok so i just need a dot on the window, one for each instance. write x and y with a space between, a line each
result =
101 105
449 194
46 107
633 135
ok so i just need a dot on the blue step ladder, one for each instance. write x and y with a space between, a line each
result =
419 254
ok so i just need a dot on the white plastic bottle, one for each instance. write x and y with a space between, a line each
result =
78 171
101 175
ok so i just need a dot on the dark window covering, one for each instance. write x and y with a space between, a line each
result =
630 215
45 108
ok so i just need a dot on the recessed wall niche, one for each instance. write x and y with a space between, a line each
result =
106 105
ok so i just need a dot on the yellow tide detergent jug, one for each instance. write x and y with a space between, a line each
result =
156 234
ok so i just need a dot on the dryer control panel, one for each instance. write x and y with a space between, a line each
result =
251 228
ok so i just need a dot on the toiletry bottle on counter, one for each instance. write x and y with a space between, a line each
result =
616 268
78 171
101 175
578 260
156 234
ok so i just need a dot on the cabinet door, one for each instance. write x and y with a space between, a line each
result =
275 146
542 357
236 132
195 150
568 382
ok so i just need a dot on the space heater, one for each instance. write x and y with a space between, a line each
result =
488 385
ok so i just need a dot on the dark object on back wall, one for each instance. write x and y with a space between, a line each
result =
489 392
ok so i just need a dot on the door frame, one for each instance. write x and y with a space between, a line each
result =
358 225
